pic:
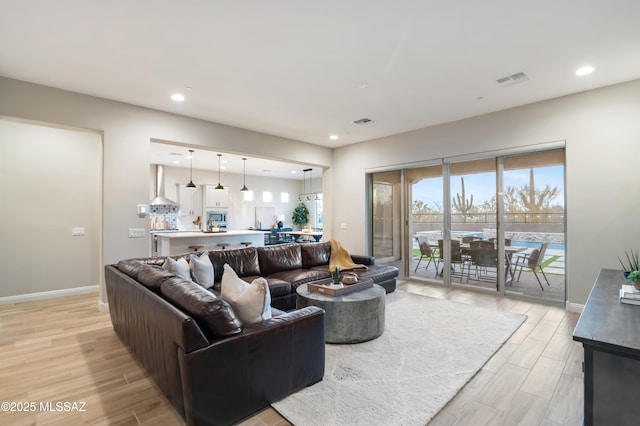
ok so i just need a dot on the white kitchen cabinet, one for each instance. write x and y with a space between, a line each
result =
190 200
215 198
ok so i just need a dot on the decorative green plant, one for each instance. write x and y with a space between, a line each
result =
633 261
300 215
335 275
634 276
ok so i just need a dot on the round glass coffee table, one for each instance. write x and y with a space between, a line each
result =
350 318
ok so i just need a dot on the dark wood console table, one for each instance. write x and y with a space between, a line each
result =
610 335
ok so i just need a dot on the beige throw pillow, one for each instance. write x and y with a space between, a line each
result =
250 302
179 267
202 269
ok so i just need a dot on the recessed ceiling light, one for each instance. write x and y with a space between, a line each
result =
333 137
177 97
176 162
586 70
294 171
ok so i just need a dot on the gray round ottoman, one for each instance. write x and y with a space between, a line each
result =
350 318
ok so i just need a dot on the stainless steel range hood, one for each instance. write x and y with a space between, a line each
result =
160 199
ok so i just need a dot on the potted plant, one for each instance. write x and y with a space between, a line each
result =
300 215
634 277
632 262
335 275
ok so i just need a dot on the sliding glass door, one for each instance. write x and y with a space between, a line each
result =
426 221
534 220
386 215
473 212
494 223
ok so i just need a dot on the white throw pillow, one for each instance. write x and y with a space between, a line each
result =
250 302
179 267
202 269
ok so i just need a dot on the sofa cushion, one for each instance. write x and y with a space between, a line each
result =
315 254
378 273
179 267
251 302
279 258
278 287
243 261
149 275
131 267
214 315
201 270
152 277
300 276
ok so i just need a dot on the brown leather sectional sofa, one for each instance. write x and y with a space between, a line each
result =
213 369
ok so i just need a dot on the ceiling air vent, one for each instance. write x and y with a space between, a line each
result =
362 121
512 79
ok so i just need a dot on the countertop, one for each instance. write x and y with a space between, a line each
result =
200 234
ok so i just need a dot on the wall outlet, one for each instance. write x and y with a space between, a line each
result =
136 232
77 232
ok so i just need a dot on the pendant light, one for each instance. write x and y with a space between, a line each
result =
244 175
219 187
191 184
305 183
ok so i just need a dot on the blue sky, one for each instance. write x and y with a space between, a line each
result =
482 185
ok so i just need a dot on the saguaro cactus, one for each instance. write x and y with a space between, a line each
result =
460 202
535 200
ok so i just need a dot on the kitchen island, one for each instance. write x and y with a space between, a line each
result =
170 243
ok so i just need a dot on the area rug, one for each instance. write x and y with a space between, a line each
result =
429 350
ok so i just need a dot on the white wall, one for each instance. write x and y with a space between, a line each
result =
127 131
601 129
51 182
602 133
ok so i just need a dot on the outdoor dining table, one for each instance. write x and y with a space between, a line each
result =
509 251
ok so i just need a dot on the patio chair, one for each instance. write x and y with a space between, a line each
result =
532 261
426 252
455 258
483 255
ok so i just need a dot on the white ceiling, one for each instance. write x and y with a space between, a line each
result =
305 70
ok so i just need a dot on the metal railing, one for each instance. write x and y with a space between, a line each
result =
490 218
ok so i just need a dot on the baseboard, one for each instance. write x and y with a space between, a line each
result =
574 307
48 294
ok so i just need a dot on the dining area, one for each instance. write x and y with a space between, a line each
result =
476 261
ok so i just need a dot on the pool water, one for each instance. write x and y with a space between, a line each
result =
537 244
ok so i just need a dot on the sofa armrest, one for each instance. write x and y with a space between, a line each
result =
363 259
235 377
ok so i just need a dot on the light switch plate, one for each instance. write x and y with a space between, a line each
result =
136 232
77 232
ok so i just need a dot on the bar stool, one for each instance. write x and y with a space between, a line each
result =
196 248
222 245
245 243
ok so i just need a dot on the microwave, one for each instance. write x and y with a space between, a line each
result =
220 217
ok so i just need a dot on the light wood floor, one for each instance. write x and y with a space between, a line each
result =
65 350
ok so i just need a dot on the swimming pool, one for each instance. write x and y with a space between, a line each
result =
536 244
